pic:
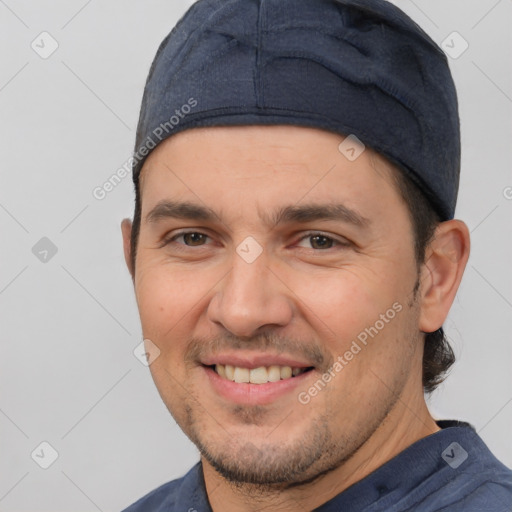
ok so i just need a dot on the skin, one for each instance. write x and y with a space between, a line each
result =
304 297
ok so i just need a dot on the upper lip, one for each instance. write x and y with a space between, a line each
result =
254 360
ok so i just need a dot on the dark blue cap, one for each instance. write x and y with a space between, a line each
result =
353 67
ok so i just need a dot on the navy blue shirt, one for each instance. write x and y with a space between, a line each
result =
451 470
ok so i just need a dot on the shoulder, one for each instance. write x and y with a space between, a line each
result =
489 491
476 482
175 495
484 485
160 499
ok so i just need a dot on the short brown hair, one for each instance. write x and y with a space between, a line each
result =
438 355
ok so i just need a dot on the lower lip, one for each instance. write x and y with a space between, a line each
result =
254 394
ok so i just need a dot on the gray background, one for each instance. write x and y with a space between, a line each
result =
70 323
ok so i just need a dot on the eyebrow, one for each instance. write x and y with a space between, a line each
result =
180 210
287 214
313 212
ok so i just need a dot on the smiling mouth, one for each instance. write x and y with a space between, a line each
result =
261 375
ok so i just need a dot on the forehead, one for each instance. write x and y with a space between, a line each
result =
248 152
252 170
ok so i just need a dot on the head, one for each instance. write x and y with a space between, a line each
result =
438 355
319 285
259 242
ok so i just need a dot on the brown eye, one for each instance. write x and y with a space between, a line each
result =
318 241
193 239
321 242
186 239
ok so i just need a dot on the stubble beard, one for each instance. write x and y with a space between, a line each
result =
266 465
271 466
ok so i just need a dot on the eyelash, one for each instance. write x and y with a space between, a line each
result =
311 234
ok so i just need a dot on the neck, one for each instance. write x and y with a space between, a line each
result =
408 422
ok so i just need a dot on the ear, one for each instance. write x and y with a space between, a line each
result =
126 229
445 261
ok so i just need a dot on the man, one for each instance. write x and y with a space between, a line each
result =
294 256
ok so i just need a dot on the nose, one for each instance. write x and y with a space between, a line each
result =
251 298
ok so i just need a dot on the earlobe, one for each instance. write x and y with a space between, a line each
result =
445 260
126 229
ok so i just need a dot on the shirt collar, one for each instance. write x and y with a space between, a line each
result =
390 482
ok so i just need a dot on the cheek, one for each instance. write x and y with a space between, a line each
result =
346 300
169 301
366 321
165 298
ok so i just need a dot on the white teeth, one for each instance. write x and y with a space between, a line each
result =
221 370
241 374
274 373
230 371
286 372
260 375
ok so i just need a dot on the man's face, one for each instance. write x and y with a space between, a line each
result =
269 280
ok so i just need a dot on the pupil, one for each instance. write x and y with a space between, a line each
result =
193 238
322 242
